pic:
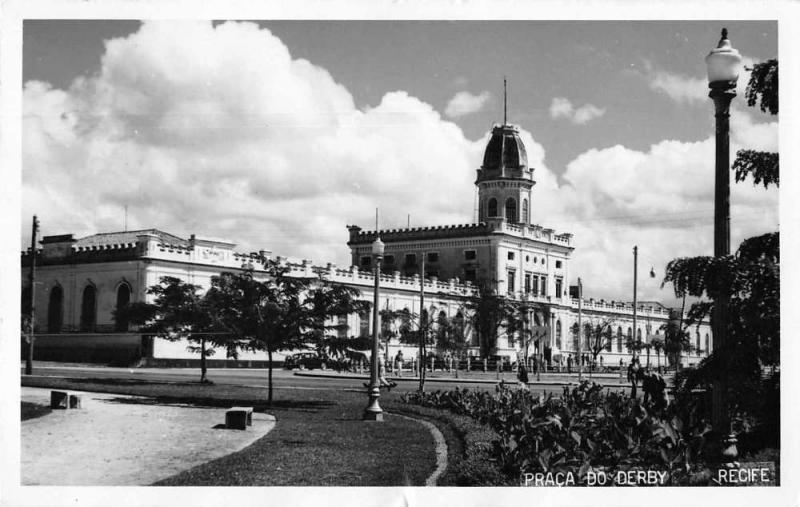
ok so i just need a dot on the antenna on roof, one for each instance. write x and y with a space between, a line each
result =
376 219
408 223
125 224
505 103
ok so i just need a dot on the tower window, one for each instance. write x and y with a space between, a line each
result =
511 276
558 264
469 275
525 211
470 255
511 256
527 283
366 260
511 210
491 208
559 286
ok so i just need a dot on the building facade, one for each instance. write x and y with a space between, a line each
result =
81 282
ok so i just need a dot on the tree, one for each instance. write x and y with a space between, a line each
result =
676 341
598 339
490 313
271 315
327 300
450 334
751 279
633 342
178 311
658 345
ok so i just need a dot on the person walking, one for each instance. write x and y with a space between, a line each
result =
398 360
382 382
633 375
382 376
569 364
522 375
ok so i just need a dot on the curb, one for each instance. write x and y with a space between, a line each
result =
457 380
439 444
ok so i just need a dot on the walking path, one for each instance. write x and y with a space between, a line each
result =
117 440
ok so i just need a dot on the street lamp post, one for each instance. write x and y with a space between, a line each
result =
373 412
722 64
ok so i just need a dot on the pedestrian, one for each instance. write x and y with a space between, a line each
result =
398 359
601 363
633 375
382 382
569 363
522 375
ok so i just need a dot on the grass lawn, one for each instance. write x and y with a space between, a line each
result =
319 439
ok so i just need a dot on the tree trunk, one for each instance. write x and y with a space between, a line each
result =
203 378
269 382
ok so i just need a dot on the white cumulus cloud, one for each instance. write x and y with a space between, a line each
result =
219 131
561 107
464 103
689 89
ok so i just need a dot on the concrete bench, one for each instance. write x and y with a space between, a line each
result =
64 399
239 418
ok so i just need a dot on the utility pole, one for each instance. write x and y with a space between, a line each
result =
680 335
635 275
32 281
580 328
422 324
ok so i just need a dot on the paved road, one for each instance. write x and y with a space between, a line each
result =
282 379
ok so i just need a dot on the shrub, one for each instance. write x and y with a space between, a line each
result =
470 460
585 428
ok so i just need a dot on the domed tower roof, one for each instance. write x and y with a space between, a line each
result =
505 155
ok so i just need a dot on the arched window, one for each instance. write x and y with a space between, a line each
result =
607 339
587 336
558 334
639 335
697 339
511 210
363 323
123 299
341 326
575 337
491 208
89 309
630 339
619 339
55 310
525 211
708 348
442 328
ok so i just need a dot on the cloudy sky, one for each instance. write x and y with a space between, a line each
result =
276 135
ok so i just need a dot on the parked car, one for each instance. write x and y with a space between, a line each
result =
304 361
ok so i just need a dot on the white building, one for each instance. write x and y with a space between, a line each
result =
80 282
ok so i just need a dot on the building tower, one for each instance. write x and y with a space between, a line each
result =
504 180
